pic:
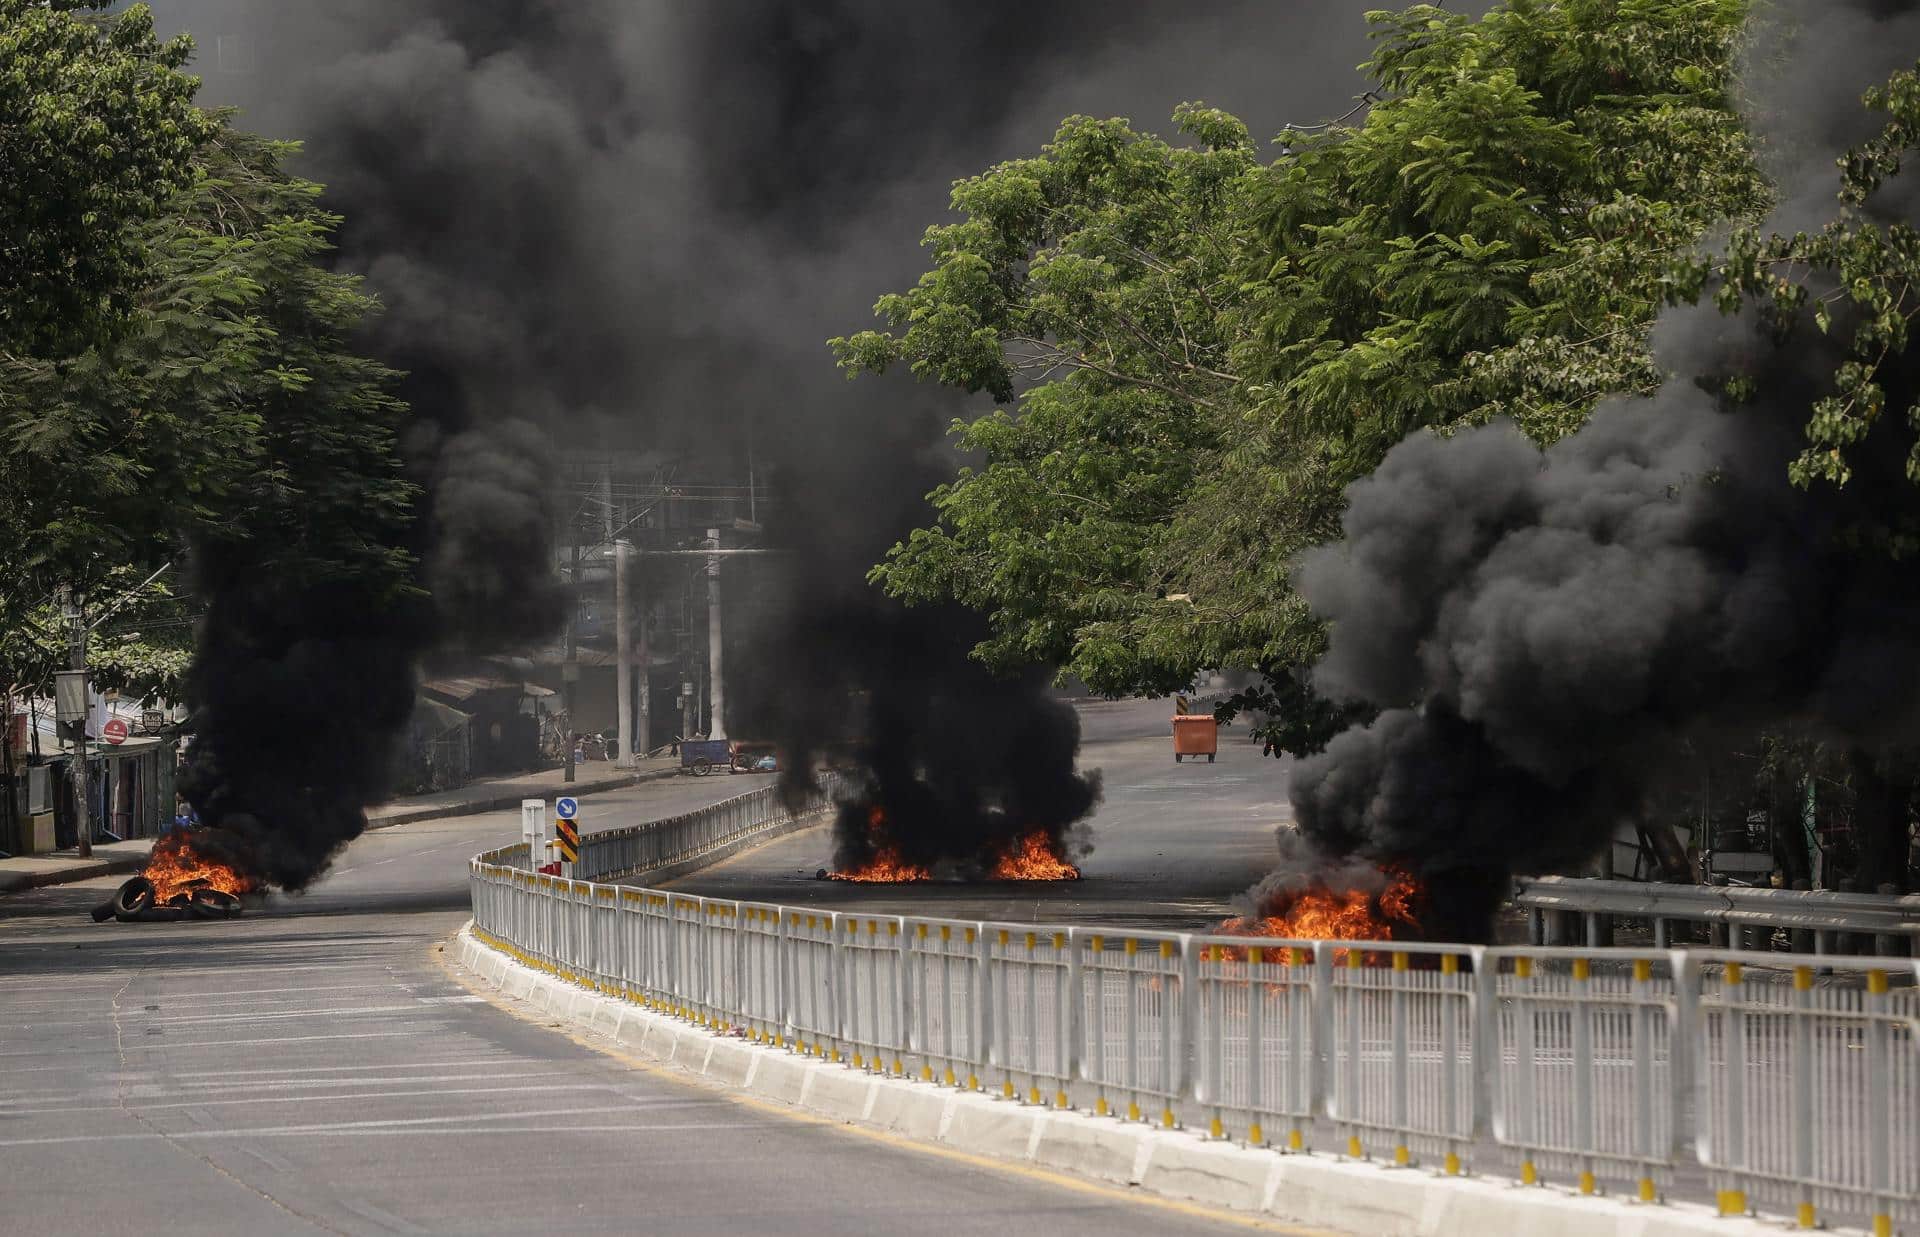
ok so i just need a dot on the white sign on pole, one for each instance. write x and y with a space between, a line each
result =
69 695
533 827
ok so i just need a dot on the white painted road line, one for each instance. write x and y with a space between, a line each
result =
419 1128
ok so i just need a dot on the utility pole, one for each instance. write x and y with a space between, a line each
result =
643 725
570 669
82 791
623 645
716 705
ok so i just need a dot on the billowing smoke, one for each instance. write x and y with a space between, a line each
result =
958 763
608 224
1551 633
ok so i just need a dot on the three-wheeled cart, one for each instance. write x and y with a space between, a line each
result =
702 756
1195 734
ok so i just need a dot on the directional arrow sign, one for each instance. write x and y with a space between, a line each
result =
566 809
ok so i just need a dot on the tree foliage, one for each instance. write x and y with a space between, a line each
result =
1859 275
97 133
232 410
1494 239
1098 285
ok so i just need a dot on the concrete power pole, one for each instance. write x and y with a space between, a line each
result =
82 789
570 669
643 713
623 655
716 711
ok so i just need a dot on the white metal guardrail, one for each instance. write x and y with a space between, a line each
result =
1577 910
657 844
1786 1082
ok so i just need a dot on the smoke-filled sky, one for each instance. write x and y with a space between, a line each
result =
644 219
605 222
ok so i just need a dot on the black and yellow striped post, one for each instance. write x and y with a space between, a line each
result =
567 838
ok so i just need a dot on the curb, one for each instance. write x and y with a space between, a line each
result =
1305 1189
87 869
19 882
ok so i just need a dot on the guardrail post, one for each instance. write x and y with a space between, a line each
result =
1644 1142
1522 1111
1322 1004
1687 1061
1800 1079
1581 1011
1734 1085
1185 1084
1486 1040
1877 1004
1397 1089
983 1012
1074 1015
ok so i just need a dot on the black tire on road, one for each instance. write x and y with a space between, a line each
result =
213 904
702 766
132 898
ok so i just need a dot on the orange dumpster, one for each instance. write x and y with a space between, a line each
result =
1195 734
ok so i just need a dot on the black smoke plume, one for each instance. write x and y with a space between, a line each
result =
1552 633
958 763
608 224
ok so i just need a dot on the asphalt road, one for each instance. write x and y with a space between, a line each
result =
1173 844
311 1068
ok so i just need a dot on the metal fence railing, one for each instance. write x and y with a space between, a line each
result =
657 843
1571 910
1788 1084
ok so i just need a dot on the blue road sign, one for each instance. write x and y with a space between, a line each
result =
566 809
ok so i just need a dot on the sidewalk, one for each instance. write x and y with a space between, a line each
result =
488 795
63 866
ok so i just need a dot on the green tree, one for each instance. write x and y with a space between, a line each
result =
1495 240
97 133
1492 240
1859 274
1096 286
232 414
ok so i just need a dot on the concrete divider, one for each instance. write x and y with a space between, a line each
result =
1345 1195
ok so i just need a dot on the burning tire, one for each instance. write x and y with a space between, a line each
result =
213 904
132 898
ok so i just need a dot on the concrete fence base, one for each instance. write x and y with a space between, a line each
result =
1351 1196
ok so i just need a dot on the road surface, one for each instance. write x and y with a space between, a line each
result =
1173 844
311 1068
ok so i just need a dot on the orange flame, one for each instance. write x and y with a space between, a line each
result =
176 869
1320 913
1033 858
886 867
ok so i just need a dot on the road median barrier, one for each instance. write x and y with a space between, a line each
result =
1668 1082
1315 1189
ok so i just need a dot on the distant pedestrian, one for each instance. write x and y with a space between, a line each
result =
184 817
